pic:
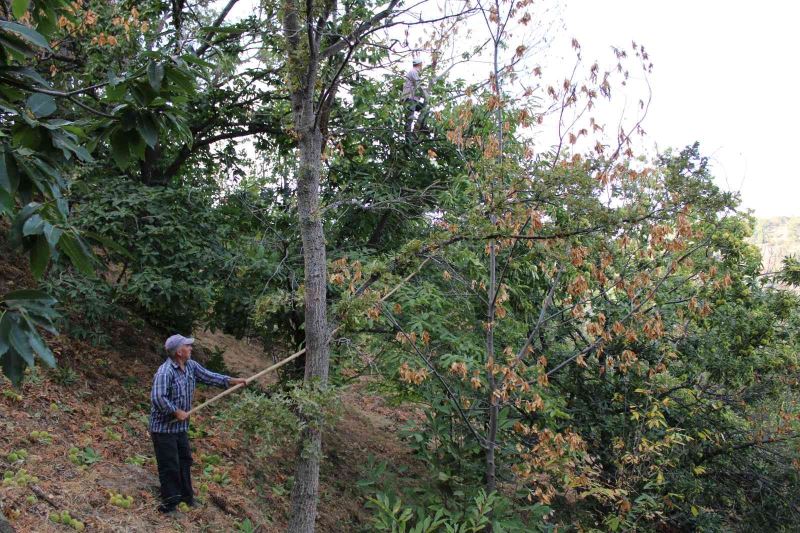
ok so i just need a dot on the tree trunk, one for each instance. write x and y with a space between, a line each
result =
306 481
494 403
494 406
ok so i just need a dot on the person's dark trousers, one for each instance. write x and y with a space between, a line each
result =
411 107
174 460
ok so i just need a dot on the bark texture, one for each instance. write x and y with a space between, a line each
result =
304 68
306 485
312 96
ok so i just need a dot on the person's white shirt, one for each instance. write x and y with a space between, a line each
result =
411 84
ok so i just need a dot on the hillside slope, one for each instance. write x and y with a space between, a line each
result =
83 435
776 237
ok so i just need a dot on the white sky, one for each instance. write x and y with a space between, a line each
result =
725 73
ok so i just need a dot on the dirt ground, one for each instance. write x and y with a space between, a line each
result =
97 400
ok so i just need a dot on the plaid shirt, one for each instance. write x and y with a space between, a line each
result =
173 389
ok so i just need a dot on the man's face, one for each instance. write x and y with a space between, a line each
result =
183 353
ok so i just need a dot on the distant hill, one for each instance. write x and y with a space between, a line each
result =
777 237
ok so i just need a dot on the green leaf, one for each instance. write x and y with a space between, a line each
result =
137 146
181 79
13 44
108 243
5 324
19 7
6 203
119 149
41 349
64 142
29 294
28 137
13 367
155 75
193 59
81 258
26 72
116 93
28 34
40 256
41 105
33 226
19 342
47 20
53 234
9 177
56 123
148 130
15 232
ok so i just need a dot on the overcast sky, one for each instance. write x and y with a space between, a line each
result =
726 74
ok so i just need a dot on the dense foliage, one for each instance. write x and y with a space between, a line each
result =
588 333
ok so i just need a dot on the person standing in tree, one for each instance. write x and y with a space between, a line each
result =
171 401
413 93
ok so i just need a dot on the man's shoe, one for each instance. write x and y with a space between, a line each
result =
166 509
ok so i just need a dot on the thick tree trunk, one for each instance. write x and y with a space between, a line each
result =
306 481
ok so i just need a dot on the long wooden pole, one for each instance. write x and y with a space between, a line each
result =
296 354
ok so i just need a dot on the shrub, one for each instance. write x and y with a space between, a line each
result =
158 236
278 419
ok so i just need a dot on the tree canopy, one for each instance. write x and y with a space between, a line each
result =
587 330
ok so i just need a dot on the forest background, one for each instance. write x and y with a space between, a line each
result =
587 332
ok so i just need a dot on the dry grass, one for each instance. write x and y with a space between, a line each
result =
111 394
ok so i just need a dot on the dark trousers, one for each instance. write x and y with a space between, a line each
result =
174 459
411 107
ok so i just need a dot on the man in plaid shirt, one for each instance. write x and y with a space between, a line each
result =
171 401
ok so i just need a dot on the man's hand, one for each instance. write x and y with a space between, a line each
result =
181 415
237 381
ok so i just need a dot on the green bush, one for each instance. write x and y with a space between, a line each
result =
168 243
87 305
216 362
277 420
479 512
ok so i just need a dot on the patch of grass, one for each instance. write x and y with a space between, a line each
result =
138 460
216 474
210 459
85 457
113 435
12 395
64 375
245 526
197 431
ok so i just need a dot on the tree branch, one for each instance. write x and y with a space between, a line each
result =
359 32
